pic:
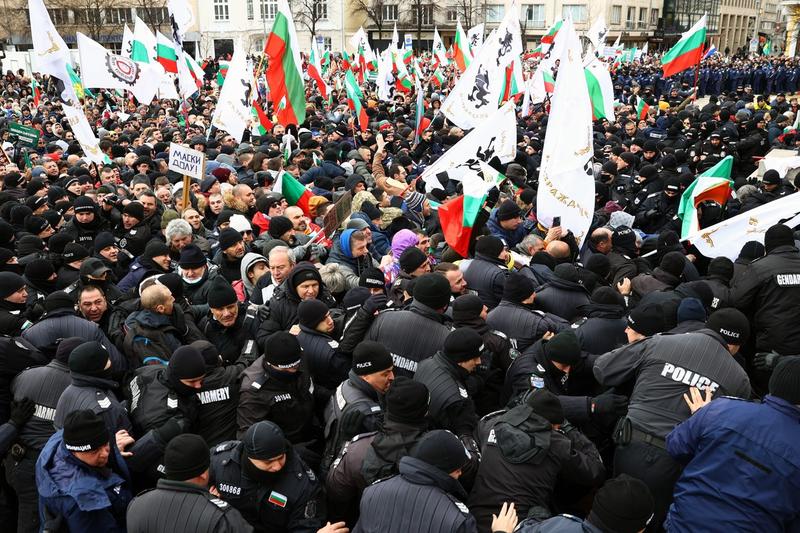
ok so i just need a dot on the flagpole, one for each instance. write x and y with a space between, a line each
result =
696 75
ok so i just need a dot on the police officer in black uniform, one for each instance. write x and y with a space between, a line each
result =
164 399
663 368
181 502
43 385
266 480
276 387
219 395
13 295
357 404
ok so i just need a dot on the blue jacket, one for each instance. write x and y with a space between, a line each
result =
80 495
511 238
742 468
380 242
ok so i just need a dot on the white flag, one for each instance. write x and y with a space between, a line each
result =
495 137
181 16
127 42
598 32
601 88
566 182
383 82
50 51
84 134
143 49
233 109
166 89
395 38
726 238
102 69
475 38
438 47
359 40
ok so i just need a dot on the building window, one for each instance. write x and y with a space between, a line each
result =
578 12
654 17
92 17
534 15
250 15
426 14
157 15
642 18
629 20
119 15
452 15
327 44
389 12
616 14
221 10
269 8
495 12
59 17
321 9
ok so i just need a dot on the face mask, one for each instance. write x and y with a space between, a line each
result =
192 281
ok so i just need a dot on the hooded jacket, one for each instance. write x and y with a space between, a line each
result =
245 288
350 266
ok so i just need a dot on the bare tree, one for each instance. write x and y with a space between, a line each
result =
373 10
90 16
422 13
468 11
308 13
153 13
14 21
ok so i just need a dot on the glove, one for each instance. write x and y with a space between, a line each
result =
471 446
766 361
351 424
609 403
376 302
263 312
21 411
171 429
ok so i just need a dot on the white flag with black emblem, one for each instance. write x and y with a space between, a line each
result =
233 109
476 95
496 137
103 70
566 182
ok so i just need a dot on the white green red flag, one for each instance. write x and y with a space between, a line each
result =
457 216
261 122
438 48
165 53
36 91
601 90
293 191
687 52
713 184
461 53
315 70
550 36
284 74
642 109
354 100
438 77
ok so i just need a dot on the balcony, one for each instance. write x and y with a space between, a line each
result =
629 24
642 25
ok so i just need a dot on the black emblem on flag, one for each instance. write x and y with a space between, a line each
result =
480 90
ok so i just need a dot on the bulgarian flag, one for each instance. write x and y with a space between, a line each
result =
422 122
408 55
36 91
194 69
512 81
293 191
222 72
461 52
549 81
326 61
165 53
345 60
550 36
284 74
354 97
262 122
642 108
457 216
713 184
687 52
315 70
438 78
601 90
403 82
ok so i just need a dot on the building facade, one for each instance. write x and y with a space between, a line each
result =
737 24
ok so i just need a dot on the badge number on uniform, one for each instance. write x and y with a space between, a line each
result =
276 498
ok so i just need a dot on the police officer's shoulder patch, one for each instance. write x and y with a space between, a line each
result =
461 507
222 504
572 518
223 447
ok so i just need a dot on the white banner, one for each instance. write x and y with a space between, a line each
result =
185 161
566 181
496 137
233 109
84 134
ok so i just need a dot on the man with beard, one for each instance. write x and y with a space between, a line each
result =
230 254
86 223
458 286
154 260
133 231
152 217
93 306
13 295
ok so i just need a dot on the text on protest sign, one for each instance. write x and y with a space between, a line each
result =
186 161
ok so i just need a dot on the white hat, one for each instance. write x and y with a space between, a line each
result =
240 223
